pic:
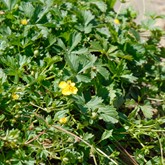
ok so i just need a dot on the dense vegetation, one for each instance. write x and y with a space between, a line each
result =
78 85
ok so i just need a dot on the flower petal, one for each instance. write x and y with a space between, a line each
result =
74 90
62 84
63 120
69 82
66 91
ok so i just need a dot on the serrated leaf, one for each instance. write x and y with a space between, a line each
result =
88 17
88 28
94 102
42 13
101 5
130 103
106 134
135 34
52 60
80 51
30 162
112 93
103 71
83 78
76 38
127 57
72 60
147 111
104 31
44 30
23 60
87 62
87 136
61 44
52 39
95 46
60 114
12 134
10 4
129 77
108 114
27 8
108 118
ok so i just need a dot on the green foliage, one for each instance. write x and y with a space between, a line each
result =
117 115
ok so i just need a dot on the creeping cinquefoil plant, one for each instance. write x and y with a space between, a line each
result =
79 85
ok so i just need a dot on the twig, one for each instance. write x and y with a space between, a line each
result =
144 8
161 151
94 159
37 106
125 152
36 137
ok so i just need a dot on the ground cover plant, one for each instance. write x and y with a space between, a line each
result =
78 85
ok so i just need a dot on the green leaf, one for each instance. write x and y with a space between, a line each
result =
60 114
135 34
88 17
72 61
103 71
147 111
108 114
52 60
43 30
110 3
104 31
23 60
94 103
95 46
88 136
130 103
52 39
101 5
12 134
127 57
61 44
10 4
2 117
76 38
41 14
80 51
112 93
134 112
106 134
27 8
130 78
88 28
83 78
87 62
3 76
30 162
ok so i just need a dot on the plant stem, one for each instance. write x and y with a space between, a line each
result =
36 137
161 151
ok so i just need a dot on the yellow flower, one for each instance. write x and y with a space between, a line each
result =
24 22
63 120
116 21
15 96
68 87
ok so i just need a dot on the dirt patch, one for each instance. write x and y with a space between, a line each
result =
143 7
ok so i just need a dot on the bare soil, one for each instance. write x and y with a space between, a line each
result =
144 7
